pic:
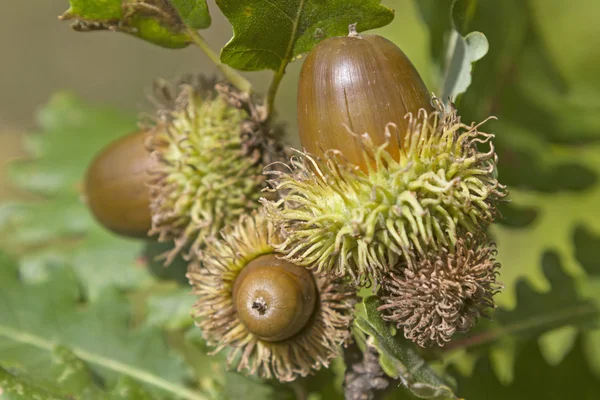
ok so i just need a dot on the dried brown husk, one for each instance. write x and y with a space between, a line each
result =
308 351
443 293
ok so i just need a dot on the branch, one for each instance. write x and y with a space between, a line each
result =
229 73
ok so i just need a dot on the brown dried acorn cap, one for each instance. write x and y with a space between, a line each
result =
443 293
116 186
276 328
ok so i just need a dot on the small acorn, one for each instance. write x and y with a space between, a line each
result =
276 319
356 83
273 298
209 152
116 186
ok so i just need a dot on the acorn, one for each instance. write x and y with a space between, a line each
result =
275 318
209 152
391 189
357 83
116 186
273 298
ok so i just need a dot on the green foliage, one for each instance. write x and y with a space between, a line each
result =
161 22
38 319
454 47
399 359
194 13
268 35
534 379
547 238
464 48
57 229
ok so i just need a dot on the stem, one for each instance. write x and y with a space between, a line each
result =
229 73
273 89
138 374
288 56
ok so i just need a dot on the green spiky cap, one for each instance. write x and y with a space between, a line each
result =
442 293
209 158
223 261
342 221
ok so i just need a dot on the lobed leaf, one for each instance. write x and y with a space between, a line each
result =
534 379
68 346
194 13
270 34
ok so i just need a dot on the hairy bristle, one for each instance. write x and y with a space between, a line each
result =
204 175
308 351
442 293
342 221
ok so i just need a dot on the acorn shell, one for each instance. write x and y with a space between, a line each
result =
362 82
115 186
274 298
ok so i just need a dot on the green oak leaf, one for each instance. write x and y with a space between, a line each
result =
70 377
57 230
558 216
399 359
270 34
572 38
171 310
534 378
194 13
462 51
156 21
47 332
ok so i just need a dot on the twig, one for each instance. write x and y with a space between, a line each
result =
230 74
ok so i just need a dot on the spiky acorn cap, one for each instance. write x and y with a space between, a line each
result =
210 151
224 260
442 293
342 221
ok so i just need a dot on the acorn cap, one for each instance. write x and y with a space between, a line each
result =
208 167
303 349
443 293
341 221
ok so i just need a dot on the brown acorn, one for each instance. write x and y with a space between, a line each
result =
357 83
115 186
274 317
274 298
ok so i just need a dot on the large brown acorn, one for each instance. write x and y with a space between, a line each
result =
116 186
274 317
388 173
357 83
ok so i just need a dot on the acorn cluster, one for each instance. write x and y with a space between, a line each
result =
392 190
